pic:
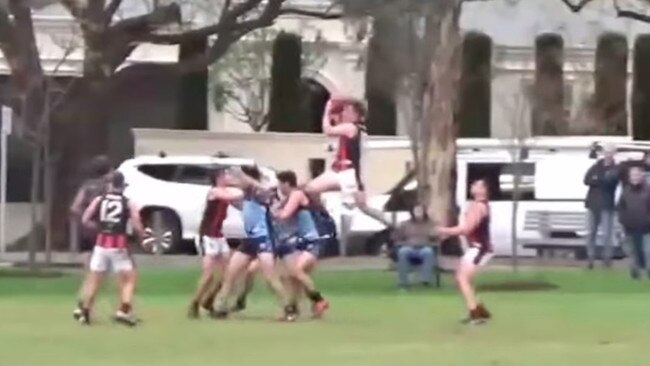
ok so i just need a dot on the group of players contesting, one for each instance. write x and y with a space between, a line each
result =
282 241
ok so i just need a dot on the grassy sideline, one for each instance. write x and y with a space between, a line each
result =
591 318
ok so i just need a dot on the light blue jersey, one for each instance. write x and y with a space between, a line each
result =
255 219
306 225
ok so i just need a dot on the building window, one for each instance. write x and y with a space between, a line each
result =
476 86
610 79
548 108
641 89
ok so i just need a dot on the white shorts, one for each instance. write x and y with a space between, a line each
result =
347 180
474 256
117 260
212 247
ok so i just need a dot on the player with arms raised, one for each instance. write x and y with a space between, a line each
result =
345 119
110 213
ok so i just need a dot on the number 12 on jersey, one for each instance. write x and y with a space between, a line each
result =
111 211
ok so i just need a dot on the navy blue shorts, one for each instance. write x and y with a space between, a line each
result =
310 246
256 246
282 250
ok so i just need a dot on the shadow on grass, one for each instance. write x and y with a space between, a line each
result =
27 273
518 286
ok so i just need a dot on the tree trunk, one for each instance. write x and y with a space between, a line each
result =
516 193
81 133
439 147
34 236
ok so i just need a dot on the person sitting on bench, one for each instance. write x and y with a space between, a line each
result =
415 247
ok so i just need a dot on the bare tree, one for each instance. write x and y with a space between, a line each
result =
637 10
438 137
516 104
241 81
80 129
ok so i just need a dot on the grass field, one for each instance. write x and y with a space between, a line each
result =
599 318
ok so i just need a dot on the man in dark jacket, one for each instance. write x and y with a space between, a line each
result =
602 178
634 215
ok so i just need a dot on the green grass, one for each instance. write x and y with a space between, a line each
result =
599 318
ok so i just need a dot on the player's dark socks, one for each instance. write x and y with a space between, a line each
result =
315 296
193 310
126 308
482 312
84 316
208 301
240 304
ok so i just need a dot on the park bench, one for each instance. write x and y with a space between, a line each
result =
561 232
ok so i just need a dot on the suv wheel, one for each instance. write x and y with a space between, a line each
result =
165 227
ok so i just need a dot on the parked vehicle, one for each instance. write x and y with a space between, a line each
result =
171 191
551 171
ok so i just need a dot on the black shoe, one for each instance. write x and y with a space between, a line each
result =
290 313
634 274
82 316
127 319
240 305
219 315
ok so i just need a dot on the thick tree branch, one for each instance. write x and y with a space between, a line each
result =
224 9
630 14
161 16
74 8
241 9
576 7
111 9
225 40
327 14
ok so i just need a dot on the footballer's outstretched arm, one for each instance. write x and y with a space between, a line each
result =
345 129
295 200
244 181
228 194
474 216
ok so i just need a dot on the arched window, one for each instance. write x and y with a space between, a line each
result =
475 86
641 89
610 79
548 112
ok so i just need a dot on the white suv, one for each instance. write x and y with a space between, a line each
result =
171 192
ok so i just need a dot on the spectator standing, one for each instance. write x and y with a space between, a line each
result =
602 179
415 242
634 215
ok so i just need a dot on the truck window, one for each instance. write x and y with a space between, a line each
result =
501 179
